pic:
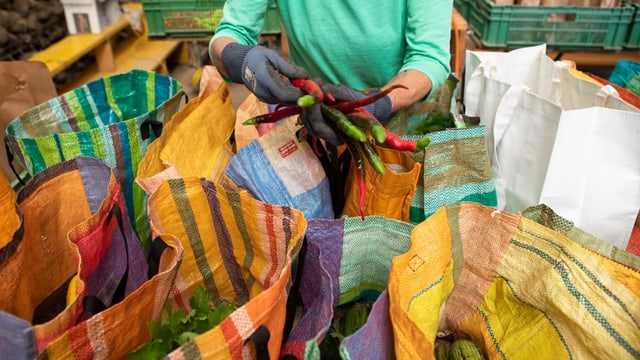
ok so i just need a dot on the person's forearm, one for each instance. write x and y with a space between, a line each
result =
417 86
216 53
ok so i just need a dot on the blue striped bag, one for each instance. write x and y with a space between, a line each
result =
113 118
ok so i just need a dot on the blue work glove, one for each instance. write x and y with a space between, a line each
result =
263 71
318 126
380 108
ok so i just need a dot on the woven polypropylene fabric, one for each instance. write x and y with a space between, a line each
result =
456 168
111 118
544 215
76 227
240 250
347 259
279 169
517 288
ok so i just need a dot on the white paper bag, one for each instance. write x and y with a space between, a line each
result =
529 66
593 177
524 131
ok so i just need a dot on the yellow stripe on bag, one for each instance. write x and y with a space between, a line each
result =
419 284
516 329
194 227
577 289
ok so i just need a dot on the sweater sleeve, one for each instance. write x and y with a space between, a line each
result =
428 37
242 20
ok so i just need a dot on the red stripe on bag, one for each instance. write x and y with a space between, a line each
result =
634 241
230 331
273 249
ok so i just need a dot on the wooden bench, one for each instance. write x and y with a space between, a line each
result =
136 51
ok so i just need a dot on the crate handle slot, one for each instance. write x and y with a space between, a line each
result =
560 16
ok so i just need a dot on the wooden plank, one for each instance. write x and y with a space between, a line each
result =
595 58
459 29
132 53
104 57
67 51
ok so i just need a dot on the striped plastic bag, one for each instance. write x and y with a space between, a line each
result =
196 142
280 169
455 168
120 329
75 254
241 250
113 118
516 288
346 260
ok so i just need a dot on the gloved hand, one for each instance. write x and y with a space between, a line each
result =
380 108
261 70
318 126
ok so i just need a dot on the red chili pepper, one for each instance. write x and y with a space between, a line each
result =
397 143
273 116
348 106
310 87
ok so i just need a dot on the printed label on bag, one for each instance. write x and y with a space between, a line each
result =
288 148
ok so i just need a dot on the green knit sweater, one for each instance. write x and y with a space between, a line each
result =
360 43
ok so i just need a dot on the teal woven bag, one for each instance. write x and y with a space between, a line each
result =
114 118
455 168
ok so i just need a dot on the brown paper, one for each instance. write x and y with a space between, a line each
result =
25 84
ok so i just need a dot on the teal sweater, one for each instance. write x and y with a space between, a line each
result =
360 43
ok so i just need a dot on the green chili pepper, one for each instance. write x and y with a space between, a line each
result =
343 123
374 160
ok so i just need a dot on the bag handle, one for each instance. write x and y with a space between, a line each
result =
294 299
260 339
91 304
10 158
153 125
150 125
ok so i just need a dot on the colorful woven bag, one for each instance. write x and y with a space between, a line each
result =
516 288
113 118
346 259
76 254
241 251
280 169
387 195
123 327
455 168
196 142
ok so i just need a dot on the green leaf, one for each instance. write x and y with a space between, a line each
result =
152 350
176 328
220 313
160 330
186 337
200 300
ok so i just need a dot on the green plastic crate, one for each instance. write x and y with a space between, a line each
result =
633 39
562 27
463 8
194 18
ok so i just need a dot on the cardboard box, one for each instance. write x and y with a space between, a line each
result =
90 16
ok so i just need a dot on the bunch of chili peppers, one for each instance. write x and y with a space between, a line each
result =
353 124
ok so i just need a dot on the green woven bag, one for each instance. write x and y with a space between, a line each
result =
455 168
113 118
